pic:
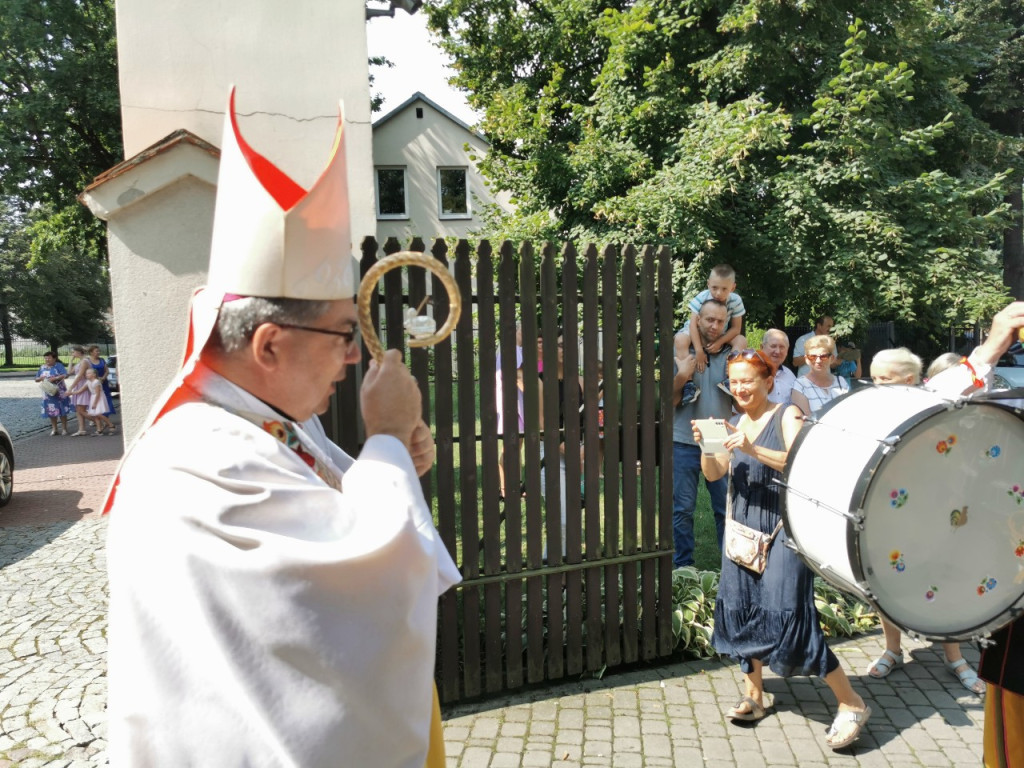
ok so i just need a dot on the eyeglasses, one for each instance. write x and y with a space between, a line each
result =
818 358
349 336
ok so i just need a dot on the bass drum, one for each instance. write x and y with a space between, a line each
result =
916 505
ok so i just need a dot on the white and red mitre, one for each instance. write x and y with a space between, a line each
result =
272 239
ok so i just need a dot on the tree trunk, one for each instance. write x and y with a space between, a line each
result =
1013 244
5 331
779 316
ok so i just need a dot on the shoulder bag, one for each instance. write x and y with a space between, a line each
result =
744 545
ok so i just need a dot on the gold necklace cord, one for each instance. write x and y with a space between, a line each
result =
369 285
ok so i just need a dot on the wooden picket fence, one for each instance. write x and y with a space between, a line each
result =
524 614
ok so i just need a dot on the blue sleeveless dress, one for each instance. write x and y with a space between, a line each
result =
769 616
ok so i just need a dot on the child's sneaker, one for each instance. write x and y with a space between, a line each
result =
690 393
724 386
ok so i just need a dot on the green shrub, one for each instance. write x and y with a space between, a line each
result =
842 615
693 611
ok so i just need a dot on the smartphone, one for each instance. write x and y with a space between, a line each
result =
714 433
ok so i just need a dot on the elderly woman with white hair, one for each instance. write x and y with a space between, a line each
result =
941 363
901 366
819 386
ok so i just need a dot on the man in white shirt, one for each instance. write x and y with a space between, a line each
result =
775 345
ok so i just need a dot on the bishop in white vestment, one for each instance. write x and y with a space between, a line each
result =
273 601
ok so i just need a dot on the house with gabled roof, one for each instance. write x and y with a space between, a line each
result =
426 181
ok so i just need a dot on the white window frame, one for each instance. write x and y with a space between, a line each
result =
405 191
469 205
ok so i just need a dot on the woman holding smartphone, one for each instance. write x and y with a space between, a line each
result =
770 617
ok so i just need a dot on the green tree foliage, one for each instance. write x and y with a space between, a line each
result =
830 159
60 127
56 287
13 245
376 98
60 122
992 33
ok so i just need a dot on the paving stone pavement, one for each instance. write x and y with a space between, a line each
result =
53 694
52 645
673 715
53 603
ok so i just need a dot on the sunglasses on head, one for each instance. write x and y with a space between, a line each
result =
747 354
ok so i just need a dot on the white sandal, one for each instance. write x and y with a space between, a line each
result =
857 719
884 664
754 711
966 674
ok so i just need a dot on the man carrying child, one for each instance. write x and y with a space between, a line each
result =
716 404
722 288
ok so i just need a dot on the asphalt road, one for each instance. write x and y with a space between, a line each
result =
20 409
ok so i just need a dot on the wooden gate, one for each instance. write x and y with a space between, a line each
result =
524 613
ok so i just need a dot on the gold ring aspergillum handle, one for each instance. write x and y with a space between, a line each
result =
369 285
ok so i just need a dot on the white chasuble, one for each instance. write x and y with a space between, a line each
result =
258 616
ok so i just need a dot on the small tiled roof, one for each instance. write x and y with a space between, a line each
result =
168 142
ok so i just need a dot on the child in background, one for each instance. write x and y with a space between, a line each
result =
849 355
721 287
96 411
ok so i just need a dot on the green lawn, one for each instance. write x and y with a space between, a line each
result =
706 556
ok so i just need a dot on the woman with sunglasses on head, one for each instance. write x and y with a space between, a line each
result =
769 618
819 385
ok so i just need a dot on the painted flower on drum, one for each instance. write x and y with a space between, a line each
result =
945 446
930 594
942 447
1019 551
897 498
1016 493
993 452
896 561
987 585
